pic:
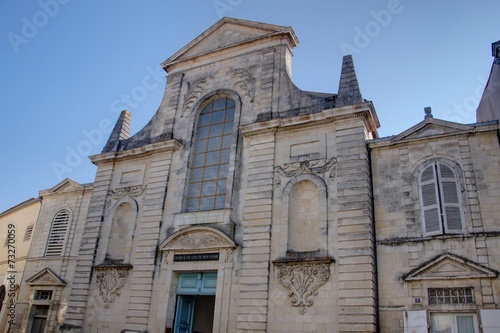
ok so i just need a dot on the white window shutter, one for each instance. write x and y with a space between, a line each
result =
450 199
429 201
490 320
415 321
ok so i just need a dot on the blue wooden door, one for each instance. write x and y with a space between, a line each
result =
184 314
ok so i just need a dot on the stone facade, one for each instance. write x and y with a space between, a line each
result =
18 228
248 205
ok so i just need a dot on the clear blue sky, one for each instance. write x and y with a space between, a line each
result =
68 67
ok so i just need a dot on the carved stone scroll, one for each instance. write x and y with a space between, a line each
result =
110 279
290 170
194 93
121 192
244 82
303 279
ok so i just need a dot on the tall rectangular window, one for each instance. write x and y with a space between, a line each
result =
209 168
440 200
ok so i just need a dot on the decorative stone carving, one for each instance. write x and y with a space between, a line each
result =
121 192
303 279
196 240
290 170
199 241
165 256
194 93
229 255
110 279
244 81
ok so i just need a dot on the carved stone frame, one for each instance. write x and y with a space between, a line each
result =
197 240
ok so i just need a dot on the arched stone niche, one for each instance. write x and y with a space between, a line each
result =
303 217
121 234
305 212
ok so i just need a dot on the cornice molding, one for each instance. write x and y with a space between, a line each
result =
149 149
364 110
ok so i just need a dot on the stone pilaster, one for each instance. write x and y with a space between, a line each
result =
77 303
356 262
148 232
256 250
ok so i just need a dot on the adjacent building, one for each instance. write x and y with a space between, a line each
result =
249 205
16 234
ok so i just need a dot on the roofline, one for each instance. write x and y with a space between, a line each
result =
172 60
388 140
20 205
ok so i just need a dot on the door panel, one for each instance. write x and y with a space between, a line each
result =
184 314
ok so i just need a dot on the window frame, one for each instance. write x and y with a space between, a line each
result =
232 152
451 296
454 315
440 194
53 234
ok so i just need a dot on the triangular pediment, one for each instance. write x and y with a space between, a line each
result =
66 185
432 127
197 239
46 277
449 266
227 33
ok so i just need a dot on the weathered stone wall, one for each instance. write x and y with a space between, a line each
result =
74 198
402 246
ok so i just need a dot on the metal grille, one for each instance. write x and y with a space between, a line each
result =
58 234
43 295
210 160
451 296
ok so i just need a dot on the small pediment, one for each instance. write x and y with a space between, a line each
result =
448 266
432 127
228 32
197 239
46 277
67 185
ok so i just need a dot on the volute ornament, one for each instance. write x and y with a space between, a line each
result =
110 279
303 279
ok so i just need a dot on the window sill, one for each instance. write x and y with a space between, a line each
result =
221 216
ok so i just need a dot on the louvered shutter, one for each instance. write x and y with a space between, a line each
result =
430 201
452 215
57 234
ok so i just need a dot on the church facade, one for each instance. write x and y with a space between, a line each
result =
249 205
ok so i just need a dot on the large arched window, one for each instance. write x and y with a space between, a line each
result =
209 168
440 200
58 231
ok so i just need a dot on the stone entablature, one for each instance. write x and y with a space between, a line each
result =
158 147
364 110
